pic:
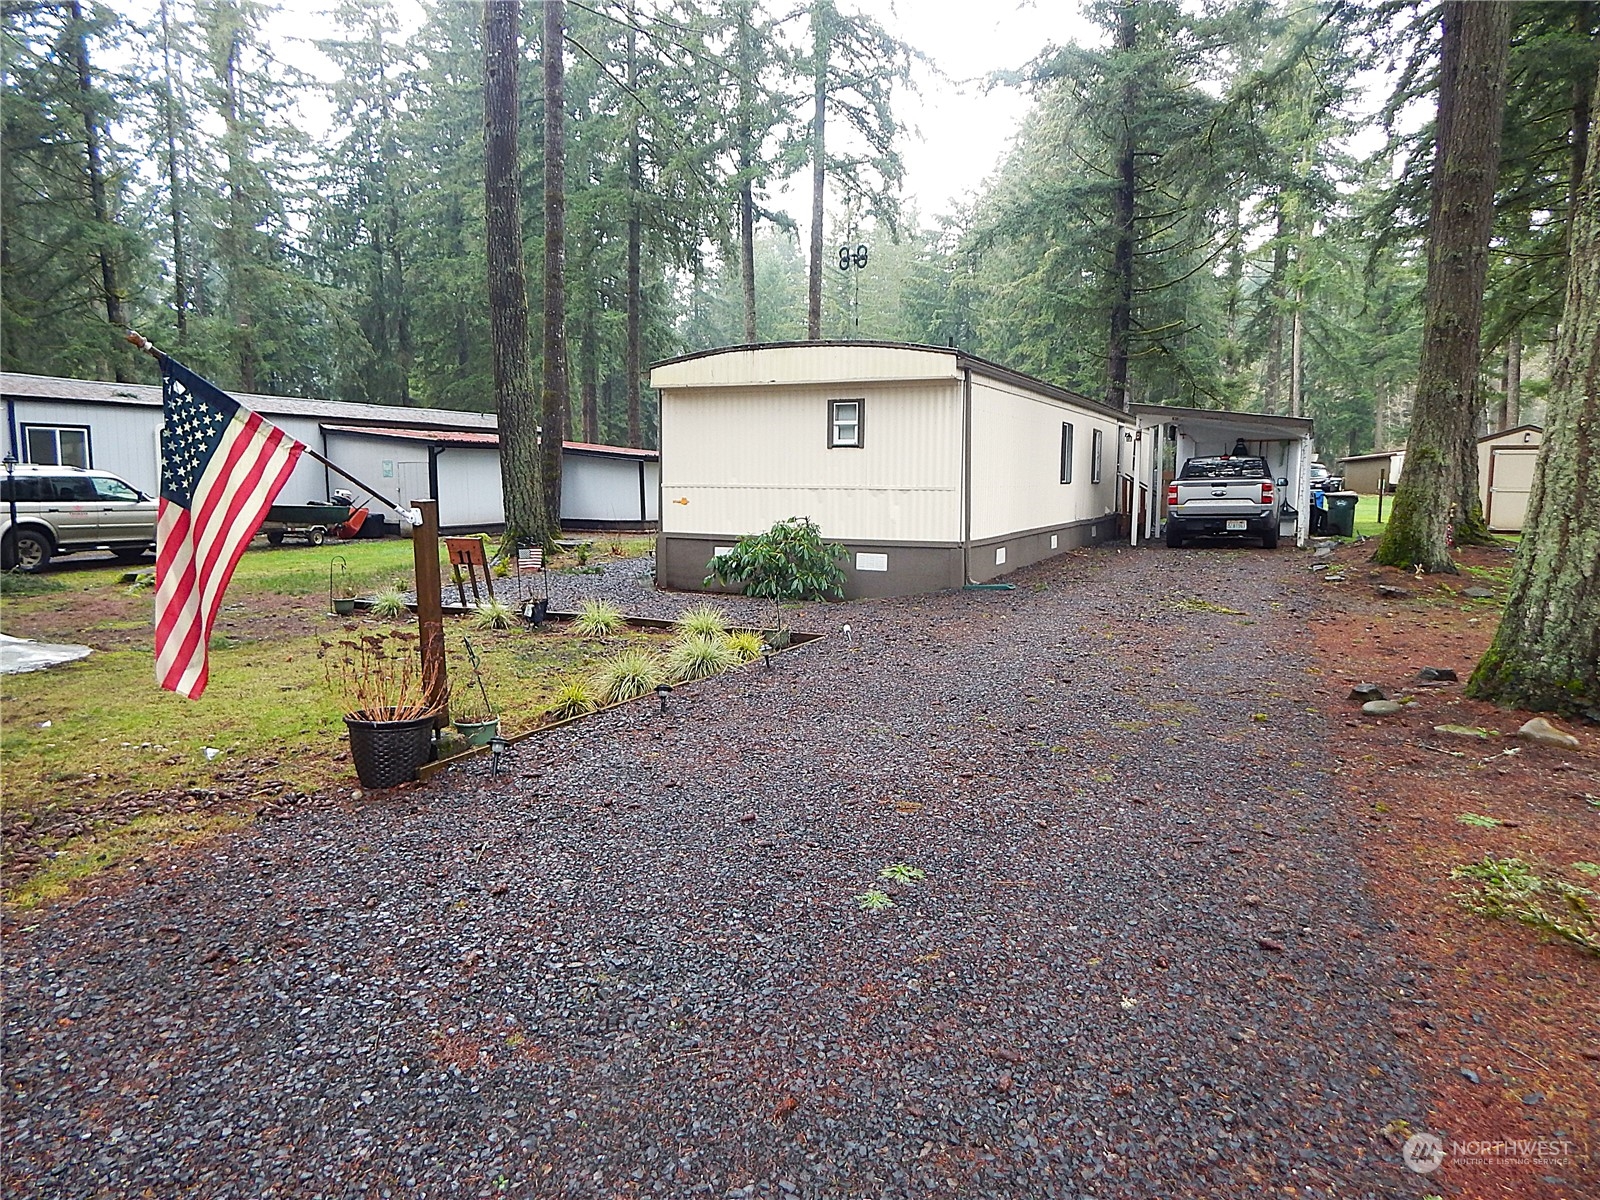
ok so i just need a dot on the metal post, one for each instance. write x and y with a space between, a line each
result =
1383 482
8 553
430 612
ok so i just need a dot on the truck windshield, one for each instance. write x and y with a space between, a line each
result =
1224 468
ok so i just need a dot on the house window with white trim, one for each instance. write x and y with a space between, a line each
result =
845 423
1066 452
56 445
1096 453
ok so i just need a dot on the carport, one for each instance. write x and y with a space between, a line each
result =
1166 437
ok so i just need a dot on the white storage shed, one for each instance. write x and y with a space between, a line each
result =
933 468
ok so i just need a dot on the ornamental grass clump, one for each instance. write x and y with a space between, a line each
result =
746 645
703 620
597 618
627 675
700 657
573 697
378 676
493 614
389 603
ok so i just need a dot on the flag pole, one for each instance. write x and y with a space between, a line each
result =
409 516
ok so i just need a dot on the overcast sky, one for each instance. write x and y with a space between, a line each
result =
961 128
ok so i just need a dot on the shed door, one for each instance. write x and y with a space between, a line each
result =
411 478
1510 481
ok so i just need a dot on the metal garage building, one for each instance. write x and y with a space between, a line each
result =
404 453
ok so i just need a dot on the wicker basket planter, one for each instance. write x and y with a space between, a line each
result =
388 753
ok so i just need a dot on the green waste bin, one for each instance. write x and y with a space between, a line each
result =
1341 518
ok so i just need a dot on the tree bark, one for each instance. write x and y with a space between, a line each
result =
1122 217
589 375
521 468
821 30
1438 491
633 355
556 400
169 113
110 281
747 156
1546 651
235 240
1512 416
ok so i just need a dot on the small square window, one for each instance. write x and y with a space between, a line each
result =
844 423
1096 453
1066 452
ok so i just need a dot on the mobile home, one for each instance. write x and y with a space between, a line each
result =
935 469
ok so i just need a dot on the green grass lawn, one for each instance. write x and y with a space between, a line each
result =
99 762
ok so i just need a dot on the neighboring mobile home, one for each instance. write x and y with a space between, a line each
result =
404 453
934 468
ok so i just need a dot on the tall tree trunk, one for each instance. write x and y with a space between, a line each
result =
633 356
110 281
399 301
236 239
521 467
169 114
555 403
747 157
589 374
1546 651
1511 417
1296 361
1439 468
1122 215
821 33
1272 385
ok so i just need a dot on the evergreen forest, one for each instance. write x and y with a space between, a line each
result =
1213 203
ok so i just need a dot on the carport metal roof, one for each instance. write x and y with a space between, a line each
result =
1252 427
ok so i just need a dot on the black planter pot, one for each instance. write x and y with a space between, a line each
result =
387 753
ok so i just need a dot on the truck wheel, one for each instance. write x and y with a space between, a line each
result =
1174 534
1269 539
31 550
128 554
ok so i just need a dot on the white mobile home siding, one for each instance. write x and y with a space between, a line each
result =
1016 461
735 460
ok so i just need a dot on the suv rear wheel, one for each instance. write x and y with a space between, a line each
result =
32 550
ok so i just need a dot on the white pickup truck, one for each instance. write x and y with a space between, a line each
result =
1228 496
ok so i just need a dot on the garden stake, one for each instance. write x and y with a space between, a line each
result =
344 571
472 657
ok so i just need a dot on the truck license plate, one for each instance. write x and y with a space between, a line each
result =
1235 526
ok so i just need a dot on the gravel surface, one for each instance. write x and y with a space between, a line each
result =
1140 963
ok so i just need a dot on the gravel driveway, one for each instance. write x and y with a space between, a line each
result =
1140 963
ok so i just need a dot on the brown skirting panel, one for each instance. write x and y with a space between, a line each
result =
912 568
1033 545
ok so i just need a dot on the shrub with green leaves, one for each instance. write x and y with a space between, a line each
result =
493 614
703 620
746 645
700 657
627 675
790 561
390 603
573 698
597 618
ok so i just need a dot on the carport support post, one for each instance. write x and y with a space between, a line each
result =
430 612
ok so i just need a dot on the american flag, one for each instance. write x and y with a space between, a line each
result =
221 468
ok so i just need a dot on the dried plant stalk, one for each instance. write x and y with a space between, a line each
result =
378 676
